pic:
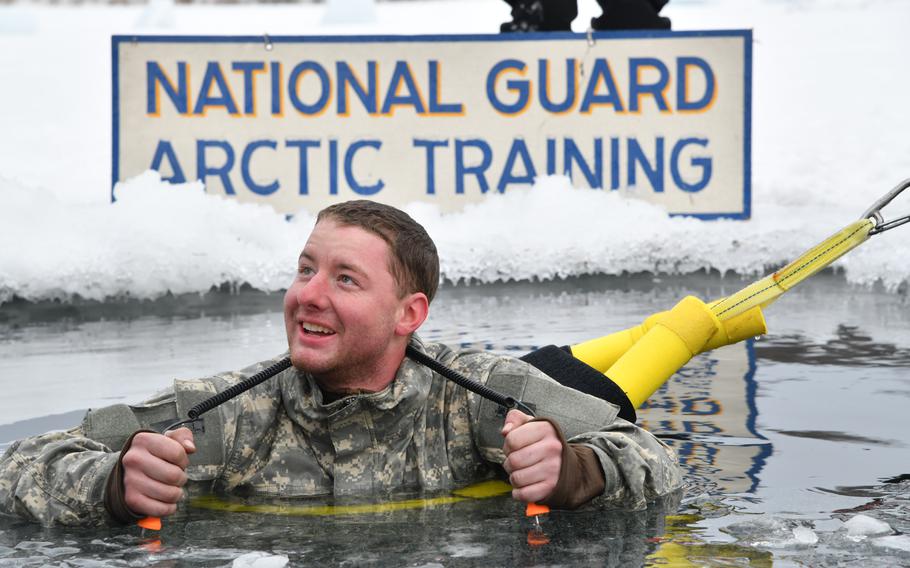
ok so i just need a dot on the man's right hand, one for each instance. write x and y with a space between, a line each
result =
154 471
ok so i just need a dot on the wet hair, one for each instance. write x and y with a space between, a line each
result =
413 262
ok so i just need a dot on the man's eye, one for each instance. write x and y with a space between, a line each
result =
345 279
305 271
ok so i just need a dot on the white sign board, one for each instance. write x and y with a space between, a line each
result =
302 122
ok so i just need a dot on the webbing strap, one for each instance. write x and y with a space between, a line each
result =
771 287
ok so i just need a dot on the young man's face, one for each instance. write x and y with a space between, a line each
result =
343 313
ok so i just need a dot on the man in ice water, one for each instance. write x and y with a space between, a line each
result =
352 416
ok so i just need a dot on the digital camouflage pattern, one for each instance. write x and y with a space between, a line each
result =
279 439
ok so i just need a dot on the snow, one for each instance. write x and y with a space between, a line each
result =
899 542
829 138
804 535
861 526
773 532
260 560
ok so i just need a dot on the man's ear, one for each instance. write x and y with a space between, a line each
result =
414 310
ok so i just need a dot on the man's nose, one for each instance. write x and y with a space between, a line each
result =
313 293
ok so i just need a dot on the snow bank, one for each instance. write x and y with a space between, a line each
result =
159 238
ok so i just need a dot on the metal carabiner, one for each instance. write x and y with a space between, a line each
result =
875 211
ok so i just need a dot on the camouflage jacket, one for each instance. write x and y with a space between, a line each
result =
422 432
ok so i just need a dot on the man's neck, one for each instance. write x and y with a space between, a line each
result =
364 379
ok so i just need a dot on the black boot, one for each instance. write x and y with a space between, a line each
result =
527 16
631 15
541 16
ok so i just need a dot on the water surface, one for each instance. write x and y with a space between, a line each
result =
782 439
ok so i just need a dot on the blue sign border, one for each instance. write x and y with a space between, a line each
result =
746 35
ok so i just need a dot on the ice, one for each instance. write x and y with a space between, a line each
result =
861 526
804 535
156 238
468 551
260 560
160 238
771 532
900 542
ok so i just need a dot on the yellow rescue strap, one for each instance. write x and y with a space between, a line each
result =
771 287
641 359
480 490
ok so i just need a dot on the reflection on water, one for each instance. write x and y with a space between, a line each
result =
850 348
710 405
837 437
681 546
782 440
492 533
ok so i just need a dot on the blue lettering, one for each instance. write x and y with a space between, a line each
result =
430 146
573 156
245 168
401 75
203 170
367 95
551 156
214 78
522 87
437 107
325 88
544 92
614 163
249 69
701 406
704 163
156 76
601 72
333 167
166 150
518 150
349 168
682 84
461 170
302 147
655 173
276 88
656 90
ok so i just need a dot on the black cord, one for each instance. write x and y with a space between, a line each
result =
244 386
229 393
425 360
469 384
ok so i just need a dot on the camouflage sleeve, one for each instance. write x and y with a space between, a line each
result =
637 466
60 477
57 477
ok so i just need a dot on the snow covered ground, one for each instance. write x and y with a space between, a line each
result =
830 135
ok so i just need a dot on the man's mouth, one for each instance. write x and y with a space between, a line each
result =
315 329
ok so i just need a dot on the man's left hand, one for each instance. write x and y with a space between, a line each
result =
533 456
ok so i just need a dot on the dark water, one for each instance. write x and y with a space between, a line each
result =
783 440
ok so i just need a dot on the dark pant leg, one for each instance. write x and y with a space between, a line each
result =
540 15
630 15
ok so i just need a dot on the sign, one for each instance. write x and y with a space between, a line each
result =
302 122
